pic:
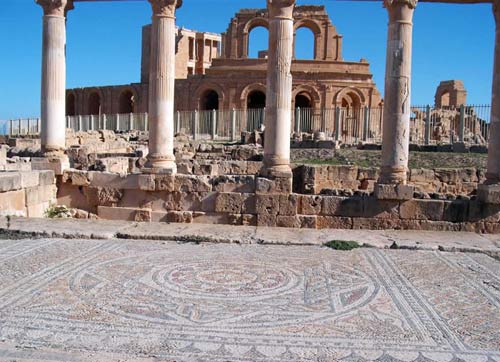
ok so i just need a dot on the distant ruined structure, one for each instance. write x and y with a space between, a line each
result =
215 71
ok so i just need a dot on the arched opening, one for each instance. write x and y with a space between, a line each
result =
256 100
70 105
445 99
209 101
351 124
258 42
94 105
305 43
303 100
127 102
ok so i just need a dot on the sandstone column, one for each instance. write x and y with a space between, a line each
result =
161 87
396 124
493 172
53 92
279 88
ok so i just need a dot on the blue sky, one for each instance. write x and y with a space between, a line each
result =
104 44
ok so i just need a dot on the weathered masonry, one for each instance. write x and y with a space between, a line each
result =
271 193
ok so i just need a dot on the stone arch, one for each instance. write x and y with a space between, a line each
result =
356 95
71 104
450 93
444 99
309 92
127 101
316 30
94 102
202 92
247 30
248 90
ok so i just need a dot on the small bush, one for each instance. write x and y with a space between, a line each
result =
342 245
57 212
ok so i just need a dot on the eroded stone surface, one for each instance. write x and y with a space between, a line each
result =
60 299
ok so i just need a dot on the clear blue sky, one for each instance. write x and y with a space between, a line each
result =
104 44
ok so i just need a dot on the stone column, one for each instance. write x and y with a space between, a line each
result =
493 172
161 157
396 124
279 88
53 91
489 192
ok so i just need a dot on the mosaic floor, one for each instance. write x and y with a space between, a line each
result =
60 299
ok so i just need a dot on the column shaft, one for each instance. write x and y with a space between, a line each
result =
493 171
396 124
279 88
53 90
162 87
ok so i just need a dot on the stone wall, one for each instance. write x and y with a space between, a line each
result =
246 199
321 178
27 193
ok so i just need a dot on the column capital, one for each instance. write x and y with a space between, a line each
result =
55 7
281 8
165 7
412 4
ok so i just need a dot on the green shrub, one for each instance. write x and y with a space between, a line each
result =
342 245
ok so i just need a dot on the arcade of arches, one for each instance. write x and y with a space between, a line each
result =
234 71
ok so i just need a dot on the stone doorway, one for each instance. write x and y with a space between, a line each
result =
209 101
256 100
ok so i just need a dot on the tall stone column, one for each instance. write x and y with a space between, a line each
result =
396 124
279 88
53 92
489 192
162 86
493 172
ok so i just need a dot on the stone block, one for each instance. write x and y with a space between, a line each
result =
368 174
234 219
289 205
185 217
308 221
13 203
394 192
76 177
456 211
361 223
40 194
46 178
310 204
422 175
113 180
288 221
147 183
489 194
210 218
122 213
103 196
249 220
210 169
422 210
208 202
266 220
10 181
480 211
229 202
248 204
38 210
164 182
188 183
233 168
333 222
385 209
267 204
29 179
56 164
274 185
253 167
241 184
342 206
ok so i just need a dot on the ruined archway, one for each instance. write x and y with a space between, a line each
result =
126 102
70 104
256 100
303 100
94 103
305 44
258 42
209 100
445 99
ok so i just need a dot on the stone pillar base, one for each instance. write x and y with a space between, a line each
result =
160 170
57 164
277 171
394 192
489 194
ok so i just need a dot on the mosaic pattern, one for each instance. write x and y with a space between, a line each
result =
59 298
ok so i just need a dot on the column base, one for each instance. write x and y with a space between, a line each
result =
489 194
400 192
58 164
160 165
390 175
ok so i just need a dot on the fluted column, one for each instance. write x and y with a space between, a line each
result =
396 124
161 87
279 88
493 171
53 91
